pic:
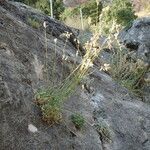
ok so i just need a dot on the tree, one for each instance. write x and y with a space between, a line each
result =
122 11
44 6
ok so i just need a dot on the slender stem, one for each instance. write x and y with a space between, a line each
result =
46 56
63 57
81 16
54 66
51 8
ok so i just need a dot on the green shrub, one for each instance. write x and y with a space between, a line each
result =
120 12
51 100
128 72
33 22
78 120
51 113
89 10
50 105
44 6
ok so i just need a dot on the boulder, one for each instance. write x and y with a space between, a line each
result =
136 38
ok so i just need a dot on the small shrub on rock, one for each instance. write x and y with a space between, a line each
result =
33 22
78 120
120 12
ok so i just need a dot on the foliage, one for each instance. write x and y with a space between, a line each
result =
44 6
33 22
51 100
133 77
126 71
58 9
50 106
120 11
90 10
78 120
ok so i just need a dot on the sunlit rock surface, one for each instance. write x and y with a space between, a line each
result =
122 121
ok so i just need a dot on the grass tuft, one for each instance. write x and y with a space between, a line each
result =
33 22
51 100
78 120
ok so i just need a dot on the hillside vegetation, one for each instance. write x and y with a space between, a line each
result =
74 77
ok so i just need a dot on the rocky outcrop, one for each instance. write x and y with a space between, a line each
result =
115 120
136 38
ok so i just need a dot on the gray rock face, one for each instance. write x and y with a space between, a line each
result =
136 38
114 119
22 60
127 118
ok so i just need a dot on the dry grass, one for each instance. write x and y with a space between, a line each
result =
51 100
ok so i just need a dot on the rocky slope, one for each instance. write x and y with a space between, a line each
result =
115 120
137 39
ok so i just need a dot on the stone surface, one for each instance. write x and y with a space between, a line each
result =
136 38
115 120
22 62
126 116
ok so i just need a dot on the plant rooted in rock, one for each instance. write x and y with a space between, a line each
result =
78 120
33 22
51 100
